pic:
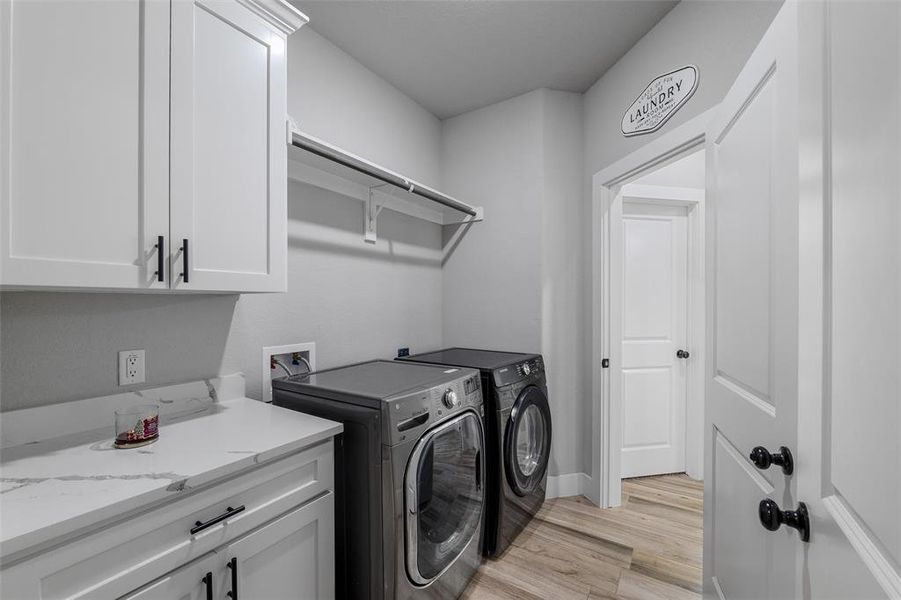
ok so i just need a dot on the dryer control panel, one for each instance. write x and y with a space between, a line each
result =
527 369
408 416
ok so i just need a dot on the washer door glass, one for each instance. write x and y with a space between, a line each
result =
444 496
527 444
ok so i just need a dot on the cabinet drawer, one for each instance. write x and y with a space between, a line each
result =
144 545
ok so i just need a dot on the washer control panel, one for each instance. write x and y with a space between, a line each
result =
526 369
409 415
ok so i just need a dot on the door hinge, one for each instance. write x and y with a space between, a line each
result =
605 363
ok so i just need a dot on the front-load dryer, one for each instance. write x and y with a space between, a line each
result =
518 435
409 473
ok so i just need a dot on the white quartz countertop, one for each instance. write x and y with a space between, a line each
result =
54 487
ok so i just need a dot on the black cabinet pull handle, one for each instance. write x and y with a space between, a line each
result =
233 565
229 512
208 582
160 259
771 517
184 260
762 459
682 353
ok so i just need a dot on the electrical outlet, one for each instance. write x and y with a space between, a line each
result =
131 367
401 352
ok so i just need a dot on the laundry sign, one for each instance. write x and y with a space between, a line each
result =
660 101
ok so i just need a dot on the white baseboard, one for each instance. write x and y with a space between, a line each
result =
569 484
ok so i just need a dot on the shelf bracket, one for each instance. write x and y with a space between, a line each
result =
371 210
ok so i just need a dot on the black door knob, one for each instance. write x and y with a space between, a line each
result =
762 459
771 518
682 353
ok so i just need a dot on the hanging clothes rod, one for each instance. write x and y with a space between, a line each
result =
329 152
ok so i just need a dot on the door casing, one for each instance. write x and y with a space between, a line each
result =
607 190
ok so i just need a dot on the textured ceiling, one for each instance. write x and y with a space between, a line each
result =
452 56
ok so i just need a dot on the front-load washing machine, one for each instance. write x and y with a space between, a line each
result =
409 474
518 435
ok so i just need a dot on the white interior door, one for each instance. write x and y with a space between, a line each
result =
752 307
849 452
229 161
84 144
654 312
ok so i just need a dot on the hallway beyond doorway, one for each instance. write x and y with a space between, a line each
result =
648 548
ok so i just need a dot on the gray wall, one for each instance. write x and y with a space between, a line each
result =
492 279
513 281
354 300
717 37
561 286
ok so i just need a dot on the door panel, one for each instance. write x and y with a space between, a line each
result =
291 557
738 534
655 267
752 281
866 218
743 257
189 582
229 182
851 282
230 137
83 142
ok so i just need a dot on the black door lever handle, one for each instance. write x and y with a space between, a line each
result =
682 353
771 517
762 459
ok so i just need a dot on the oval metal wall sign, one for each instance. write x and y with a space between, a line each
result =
660 101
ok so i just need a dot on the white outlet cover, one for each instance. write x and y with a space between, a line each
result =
131 367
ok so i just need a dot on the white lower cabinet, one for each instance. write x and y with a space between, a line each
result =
284 558
193 581
288 558
267 533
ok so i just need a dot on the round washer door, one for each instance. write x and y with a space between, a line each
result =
527 440
444 496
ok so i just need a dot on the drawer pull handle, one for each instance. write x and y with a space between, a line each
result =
233 565
229 512
208 582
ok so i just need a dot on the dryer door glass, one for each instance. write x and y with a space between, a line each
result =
527 443
444 496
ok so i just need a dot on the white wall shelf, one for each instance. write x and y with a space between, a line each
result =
318 163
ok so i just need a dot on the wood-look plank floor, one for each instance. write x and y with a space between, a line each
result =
647 549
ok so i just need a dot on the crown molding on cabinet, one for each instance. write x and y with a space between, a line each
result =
279 13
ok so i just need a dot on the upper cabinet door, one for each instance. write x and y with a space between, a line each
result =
228 155
84 116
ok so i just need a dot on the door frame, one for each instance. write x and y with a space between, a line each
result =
607 184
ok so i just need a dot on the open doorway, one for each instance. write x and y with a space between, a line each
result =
648 312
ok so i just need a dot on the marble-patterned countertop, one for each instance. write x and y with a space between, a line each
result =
51 487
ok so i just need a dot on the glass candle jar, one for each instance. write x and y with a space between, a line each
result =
137 426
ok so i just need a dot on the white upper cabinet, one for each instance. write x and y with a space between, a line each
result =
128 122
84 144
229 154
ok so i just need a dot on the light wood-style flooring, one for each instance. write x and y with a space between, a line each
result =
647 549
